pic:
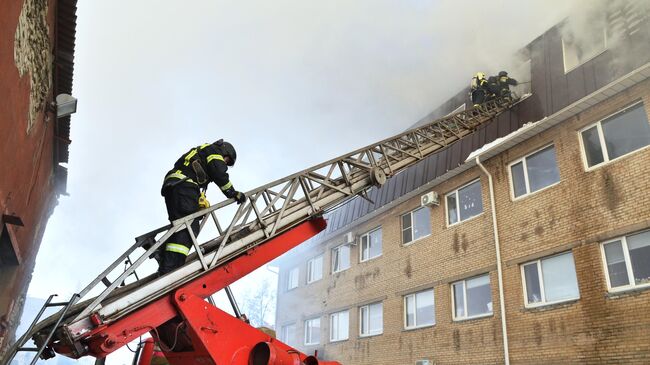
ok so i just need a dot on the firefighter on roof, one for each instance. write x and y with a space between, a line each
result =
500 85
479 89
184 191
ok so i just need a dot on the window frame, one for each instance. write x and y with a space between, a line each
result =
453 300
332 327
601 139
297 269
418 326
283 334
306 328
598 53
349 258
526 179
455 191
369 334
309 266
401 223
543 302
628 265
367 234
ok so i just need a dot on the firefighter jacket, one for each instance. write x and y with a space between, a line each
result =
200 166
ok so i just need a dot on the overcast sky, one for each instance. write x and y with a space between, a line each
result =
289 83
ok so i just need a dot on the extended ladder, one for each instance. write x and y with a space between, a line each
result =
270 210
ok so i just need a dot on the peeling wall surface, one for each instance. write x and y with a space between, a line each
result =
576 215
33 56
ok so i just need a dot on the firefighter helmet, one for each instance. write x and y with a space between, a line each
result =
229 150
503 73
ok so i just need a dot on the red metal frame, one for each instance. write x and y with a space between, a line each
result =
216 335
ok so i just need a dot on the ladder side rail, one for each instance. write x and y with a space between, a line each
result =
90 307
43 345
18 345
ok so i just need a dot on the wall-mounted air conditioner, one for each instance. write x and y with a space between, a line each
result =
349 239
429 199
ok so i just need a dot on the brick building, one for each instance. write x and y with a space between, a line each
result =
563 202
36 64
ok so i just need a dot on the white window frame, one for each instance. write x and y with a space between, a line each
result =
543 302
524 162
337 248
415 318
422 362
306 330
370 334
283 332
628 265
453 304
455 191
367 234
401 223
310 268
601 139
289 276
336 314
580 63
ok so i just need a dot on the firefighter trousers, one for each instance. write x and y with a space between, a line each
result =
181 200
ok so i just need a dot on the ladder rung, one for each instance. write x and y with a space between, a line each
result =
57 304
33 349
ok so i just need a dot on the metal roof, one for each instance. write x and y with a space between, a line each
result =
448 163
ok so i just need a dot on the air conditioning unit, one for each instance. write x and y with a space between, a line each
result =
349 239
430 198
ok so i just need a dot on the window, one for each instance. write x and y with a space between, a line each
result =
423 362
312 331
550 280
288 333
339 325
340 258
616 136
371 319
292 278
627 260
416 224
464 203
580 48
371 245
472 297
534 172
419 310
315 269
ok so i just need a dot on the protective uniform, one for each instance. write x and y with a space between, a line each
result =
500 85
182 187
479 89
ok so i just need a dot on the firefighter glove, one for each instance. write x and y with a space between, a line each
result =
240 197
203 202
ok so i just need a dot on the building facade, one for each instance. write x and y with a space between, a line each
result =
36 63
537 250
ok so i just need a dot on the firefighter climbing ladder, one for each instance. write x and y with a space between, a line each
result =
270 211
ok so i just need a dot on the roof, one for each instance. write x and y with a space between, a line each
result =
460 157
65 34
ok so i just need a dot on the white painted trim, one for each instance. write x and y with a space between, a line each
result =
542 284
524 161
628 265
458 203
453 306
367 234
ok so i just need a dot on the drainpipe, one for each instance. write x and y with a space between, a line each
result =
497 247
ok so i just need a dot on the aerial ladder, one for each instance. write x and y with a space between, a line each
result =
176 309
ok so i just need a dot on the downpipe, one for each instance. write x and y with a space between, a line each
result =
497 247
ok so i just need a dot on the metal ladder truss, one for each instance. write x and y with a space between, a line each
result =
268 211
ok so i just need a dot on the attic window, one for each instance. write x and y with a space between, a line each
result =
578 50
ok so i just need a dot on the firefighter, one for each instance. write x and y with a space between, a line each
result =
500 85
184 191
479 89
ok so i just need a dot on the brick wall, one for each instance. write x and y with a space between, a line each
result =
26 147
583 209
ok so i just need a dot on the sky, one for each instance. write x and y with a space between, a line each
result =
289 83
